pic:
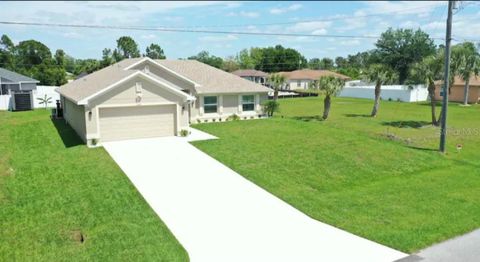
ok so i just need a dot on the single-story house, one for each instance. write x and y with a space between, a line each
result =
303 78
457 91
141 98
19 88
253 75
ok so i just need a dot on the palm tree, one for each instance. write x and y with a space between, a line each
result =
379 74
45 100
276 81
469 64
430 69
330 86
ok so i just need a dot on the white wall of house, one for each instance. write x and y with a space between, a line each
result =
403 93
6 101
293 84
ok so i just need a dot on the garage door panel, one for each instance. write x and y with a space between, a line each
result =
136 122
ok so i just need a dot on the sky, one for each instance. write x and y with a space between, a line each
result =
321 19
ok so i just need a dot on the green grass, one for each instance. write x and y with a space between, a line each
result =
52 188
380 178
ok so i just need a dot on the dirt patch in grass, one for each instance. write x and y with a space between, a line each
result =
78 236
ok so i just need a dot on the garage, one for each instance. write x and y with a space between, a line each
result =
122 123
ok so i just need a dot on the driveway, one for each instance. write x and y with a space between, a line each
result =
218 215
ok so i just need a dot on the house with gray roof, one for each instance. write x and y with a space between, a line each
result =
256 76
142 98
11 81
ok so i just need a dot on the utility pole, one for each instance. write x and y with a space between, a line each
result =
448 39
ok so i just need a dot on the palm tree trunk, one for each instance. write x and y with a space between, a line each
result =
326 107
377 100
433 102
465 95
275 94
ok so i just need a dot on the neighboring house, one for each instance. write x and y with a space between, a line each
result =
19 89
457 91
253 75
141 97
303 78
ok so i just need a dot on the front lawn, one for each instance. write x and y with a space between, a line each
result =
379 178
60 201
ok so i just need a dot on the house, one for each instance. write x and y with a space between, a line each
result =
18 88
256 76
457 91
404 93
141 98
303 78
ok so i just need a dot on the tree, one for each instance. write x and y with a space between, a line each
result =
401 48
31 53
330 86
230 65
208 59
45 100
127 48
276 81
427 71
271 59
468 65
378 74
270 106
7 51
60 58
154 51
341 62
314 63
107 57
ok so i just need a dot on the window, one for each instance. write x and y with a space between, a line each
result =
210 104
248 103
299 83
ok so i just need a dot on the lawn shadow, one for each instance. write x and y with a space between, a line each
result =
422 148
357 115
309 118
66 133
407 124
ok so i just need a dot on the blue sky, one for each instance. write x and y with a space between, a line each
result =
342 18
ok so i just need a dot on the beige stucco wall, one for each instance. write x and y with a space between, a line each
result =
457 93
75 117
293 84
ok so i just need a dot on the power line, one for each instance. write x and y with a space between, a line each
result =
190 31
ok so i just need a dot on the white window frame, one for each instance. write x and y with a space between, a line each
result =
210 104
248 103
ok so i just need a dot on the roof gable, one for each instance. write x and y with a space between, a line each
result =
15 77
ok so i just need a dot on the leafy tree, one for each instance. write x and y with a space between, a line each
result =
154 51
270 106
31 53
60 58
107 58
278 58
314 63
330 86
230 65
427 71
401 48
326 64
7 49
208 59
378 74
276 81
341 62
245 60
127 48
49 74
86 65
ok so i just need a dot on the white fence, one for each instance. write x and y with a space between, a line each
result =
6 102
404 93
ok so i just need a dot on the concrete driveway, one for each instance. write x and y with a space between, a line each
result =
218 215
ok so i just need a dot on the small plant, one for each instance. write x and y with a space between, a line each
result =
270 107
390 99
184 132
94 141
205 121
199 121
399 100
214 120
252 117
233 117
45 100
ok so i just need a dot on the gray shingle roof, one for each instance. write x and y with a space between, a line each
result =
15 77
210 79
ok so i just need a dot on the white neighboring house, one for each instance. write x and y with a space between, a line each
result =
404 93
253 75
141 98
303 78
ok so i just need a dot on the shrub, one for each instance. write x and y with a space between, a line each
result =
233 117
270 107
184 132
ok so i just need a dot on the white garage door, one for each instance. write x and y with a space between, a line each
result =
123 123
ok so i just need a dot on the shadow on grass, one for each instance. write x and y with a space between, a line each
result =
66 133
308 118
423 148
357 115
407 124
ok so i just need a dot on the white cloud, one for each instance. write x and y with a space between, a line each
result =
218 38
434 26
277 11
402 7
322 31
149 36
410 24
245 14
308 26
73 35
352 42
